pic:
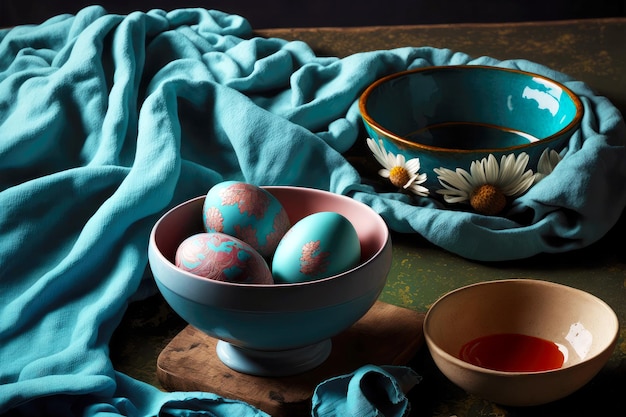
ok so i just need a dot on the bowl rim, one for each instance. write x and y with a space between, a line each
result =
251 286
406 143
524 281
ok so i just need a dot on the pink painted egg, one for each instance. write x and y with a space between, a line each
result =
247 212
222 257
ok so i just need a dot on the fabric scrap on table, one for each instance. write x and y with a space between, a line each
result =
370 391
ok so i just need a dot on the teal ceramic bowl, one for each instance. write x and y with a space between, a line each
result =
449 116
280 329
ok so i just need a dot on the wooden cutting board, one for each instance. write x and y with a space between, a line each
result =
386 335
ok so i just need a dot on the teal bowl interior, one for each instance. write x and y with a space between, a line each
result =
281 329
450 116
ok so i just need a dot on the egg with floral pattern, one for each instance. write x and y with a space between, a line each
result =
247 212
318 246
223 258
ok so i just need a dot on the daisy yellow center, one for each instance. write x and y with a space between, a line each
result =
399 176
488 200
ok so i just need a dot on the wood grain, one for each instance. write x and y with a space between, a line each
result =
386 335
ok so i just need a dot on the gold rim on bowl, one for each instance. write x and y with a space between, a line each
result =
406 143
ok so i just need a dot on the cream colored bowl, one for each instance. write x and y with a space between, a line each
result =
584 328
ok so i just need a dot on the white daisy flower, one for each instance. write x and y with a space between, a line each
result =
548 160
402 173
488 184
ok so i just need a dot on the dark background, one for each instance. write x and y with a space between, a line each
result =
294 13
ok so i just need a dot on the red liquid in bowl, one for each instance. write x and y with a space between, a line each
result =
512 352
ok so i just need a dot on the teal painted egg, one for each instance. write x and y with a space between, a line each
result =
223 258
247 212
318 246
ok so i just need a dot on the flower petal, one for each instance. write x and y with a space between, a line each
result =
400 160
520 186
419 190
470 182
410 182
378 150
452 198
421 178
453 180
548 160
492 170
413 165
477 172
520 163
391 160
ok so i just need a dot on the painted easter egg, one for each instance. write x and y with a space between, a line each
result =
247 212
318 246
223 258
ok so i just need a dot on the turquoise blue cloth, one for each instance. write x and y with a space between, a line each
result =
106 121
372 391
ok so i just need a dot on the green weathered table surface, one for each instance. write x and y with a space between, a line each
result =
592 51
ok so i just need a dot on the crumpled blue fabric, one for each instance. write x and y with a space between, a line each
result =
106 121
370 391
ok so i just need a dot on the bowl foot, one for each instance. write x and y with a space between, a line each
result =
273 363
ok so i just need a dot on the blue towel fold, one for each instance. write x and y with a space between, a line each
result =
106 121
370 391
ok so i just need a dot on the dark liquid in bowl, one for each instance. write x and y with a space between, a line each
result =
468 136
512 352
